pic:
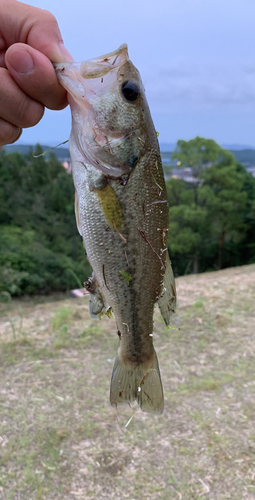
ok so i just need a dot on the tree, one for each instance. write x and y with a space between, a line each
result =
210 210
40 247
188 224
199 153
226 205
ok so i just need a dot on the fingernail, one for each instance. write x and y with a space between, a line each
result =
65 53
59 53
67 56
21 61
18 136
19 132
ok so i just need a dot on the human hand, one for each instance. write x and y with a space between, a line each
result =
29 40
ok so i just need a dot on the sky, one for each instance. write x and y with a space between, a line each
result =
196 59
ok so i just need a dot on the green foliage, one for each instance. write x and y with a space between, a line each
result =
40 248
210 218
199 153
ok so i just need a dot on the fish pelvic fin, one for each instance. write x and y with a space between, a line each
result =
167 301
137 382
97 304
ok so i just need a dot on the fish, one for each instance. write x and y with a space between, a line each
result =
121 212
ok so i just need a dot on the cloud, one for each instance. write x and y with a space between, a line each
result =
249 68
206 85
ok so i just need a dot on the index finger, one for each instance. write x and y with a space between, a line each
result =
36 27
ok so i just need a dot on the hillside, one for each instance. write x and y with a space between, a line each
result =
60 439
61 153
244 156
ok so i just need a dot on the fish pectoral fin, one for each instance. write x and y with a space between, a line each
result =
137 382
167 301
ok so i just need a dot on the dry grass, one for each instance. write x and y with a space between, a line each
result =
60 439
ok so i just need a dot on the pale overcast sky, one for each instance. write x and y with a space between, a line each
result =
196 59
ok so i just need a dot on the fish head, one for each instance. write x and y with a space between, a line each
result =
111 122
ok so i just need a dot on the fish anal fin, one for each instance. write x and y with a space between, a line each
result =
137 382
167 301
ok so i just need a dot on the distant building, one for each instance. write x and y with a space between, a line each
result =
251 169
67 165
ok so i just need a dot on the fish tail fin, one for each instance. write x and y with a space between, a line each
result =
137 382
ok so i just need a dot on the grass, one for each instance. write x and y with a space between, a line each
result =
59 437
61 317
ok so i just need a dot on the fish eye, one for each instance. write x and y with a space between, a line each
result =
130 90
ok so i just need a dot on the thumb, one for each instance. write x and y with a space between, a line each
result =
21 23
35 75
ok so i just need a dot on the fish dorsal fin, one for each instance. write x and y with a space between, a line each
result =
167 301
76 208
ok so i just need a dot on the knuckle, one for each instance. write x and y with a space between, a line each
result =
48 17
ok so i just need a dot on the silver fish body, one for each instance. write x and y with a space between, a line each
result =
122 214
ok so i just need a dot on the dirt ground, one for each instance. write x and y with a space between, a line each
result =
59 437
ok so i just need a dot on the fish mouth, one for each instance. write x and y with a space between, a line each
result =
98 66
86 83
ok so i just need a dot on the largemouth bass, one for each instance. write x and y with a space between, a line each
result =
122 214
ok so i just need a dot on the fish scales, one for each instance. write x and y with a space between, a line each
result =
132 303
122 215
